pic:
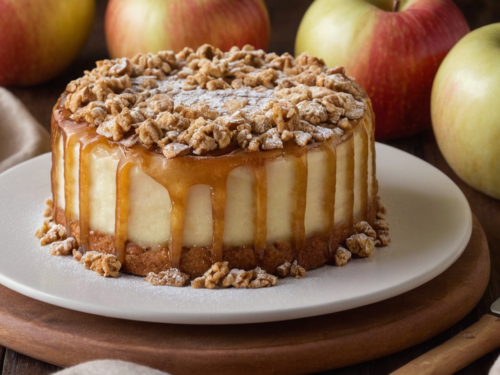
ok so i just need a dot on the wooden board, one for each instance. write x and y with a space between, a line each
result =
64 337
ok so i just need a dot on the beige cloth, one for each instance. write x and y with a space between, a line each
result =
495 370
109 367
21 136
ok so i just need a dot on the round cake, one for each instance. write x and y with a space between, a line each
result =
184 160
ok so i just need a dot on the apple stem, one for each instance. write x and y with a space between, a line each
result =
395 6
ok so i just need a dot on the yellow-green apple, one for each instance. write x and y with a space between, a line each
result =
134 26
39 39
394 55
465 109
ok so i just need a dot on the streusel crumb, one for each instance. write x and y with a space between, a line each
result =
56 233
342 256
64 247
215 274
171 277
364 227
297 271
77 255
284 269
103 264
245 97
361 245
49 209
42 231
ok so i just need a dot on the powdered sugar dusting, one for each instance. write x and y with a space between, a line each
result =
173 86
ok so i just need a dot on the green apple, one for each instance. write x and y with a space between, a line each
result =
465 109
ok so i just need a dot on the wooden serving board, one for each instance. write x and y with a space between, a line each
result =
65 337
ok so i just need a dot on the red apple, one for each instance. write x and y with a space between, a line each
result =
393 55
134 26
41 38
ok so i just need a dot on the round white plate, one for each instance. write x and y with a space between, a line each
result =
430 221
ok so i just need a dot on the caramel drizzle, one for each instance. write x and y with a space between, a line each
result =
218 210
300 197
349 173
260 221
87 144
172 175
372 184
122 206
56 135
69 179
330 187
363 171
179 203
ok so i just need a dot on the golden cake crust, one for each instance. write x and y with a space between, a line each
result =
196 260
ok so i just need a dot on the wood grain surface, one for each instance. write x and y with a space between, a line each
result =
289 347
285 18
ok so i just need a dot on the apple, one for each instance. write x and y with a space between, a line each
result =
41 38
465 109
394 55
134 26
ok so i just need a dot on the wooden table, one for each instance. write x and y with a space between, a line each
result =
285 17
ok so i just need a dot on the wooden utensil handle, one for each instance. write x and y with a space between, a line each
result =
456 353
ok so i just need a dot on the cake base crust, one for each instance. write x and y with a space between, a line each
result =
195 261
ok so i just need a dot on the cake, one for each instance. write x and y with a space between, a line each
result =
181 161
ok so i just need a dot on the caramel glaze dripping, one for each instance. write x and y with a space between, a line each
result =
218 210
299 197
330 187
363 171
69 179
343 229
350 183
55 130
372 184
260 221
122 203
179 174
87 144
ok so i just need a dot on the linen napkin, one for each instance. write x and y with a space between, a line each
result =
21 136
495 369
109 367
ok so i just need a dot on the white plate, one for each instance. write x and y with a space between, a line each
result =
430 220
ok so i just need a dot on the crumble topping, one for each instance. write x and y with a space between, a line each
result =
50 232
56 232
170 277
220 275
103 264
383 237
64 247
196 102
364 227
284 269
361 245
297 271
48 209
342 256
381 225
